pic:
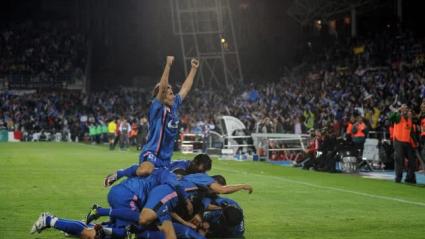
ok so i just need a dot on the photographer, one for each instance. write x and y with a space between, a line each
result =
326 152
327 161
311 150
265 126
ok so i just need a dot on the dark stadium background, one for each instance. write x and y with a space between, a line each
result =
129 44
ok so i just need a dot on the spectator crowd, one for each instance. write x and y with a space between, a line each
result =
366 76
41 54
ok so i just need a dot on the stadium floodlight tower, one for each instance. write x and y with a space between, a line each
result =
206 31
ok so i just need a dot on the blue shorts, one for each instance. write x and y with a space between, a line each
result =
157 162
162 199
182 232
121 197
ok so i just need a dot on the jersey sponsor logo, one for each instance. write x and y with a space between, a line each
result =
165 210
173 124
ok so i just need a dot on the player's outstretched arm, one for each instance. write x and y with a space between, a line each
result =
163 83
113 177
187 85
230 188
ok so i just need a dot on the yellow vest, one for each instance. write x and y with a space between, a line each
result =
112 127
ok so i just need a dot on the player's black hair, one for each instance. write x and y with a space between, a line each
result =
232 215
181 210
203 159
198 206
219 179
179 172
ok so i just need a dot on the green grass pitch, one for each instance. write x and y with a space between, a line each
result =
65 179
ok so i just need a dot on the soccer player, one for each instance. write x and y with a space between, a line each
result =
73 227
224 218
163 120
162 200
200 164
191 183
136 217
133 192
227 222
199 179
203 180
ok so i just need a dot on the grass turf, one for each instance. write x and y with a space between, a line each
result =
65 179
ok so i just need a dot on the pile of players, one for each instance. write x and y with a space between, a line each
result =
179 202
160 198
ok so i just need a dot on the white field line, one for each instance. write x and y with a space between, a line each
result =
394 199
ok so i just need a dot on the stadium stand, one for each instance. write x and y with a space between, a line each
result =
340 81
41 55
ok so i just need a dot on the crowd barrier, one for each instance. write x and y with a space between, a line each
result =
264 146
191 143
17 136
280 147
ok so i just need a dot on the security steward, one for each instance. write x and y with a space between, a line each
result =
403 130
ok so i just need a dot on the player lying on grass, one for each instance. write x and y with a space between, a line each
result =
190 183
107 230
76 228
201 163
155 208
161 202
200 179
227 222
163 120
223 217
133 192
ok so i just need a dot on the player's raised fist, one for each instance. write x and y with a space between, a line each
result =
195 63
170 60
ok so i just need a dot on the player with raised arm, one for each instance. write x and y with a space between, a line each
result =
163 120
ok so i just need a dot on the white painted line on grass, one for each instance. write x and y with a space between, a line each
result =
330 188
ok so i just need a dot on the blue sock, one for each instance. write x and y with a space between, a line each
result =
48 220
119 232
69 226
128 172
125 214
150 235
103 211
